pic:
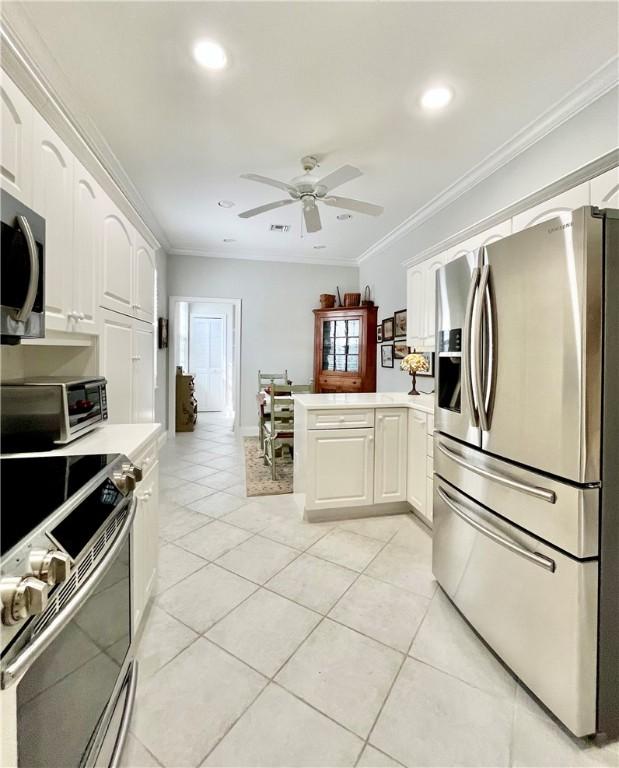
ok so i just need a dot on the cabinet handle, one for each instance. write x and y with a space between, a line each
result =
135 357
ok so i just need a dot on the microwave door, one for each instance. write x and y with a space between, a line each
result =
538 328
455 409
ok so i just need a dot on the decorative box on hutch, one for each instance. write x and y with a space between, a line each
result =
345 349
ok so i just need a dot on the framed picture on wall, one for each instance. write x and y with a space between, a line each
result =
162 333
429 356
386 355
399 322
400 350
379 333
388 334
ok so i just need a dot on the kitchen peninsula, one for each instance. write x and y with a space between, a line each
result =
361 454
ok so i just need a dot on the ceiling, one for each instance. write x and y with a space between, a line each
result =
337 79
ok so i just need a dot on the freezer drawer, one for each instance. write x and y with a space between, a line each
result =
564 515
536 607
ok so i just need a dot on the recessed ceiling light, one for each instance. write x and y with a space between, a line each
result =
225 204
436 98
319 247
344 216
210 54
229 240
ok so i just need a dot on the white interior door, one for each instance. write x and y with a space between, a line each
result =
207 360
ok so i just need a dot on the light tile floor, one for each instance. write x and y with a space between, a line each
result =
274 642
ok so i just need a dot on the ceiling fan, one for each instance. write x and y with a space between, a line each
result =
309 189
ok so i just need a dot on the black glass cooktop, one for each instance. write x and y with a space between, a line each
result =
34 488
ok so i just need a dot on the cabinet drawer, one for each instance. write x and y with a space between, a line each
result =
429 445
339 384
534 605
350 418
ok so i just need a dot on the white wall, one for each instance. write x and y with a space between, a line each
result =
590 134
277 324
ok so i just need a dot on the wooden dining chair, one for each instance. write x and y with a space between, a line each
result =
279 428
266 380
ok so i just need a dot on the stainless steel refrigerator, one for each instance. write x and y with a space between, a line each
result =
526 457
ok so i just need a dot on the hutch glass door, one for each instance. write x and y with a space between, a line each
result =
340 345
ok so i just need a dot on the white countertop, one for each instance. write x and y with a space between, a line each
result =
129 439
366 400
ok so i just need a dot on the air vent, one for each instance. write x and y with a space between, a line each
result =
280 227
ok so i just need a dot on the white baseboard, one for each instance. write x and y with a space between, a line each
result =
248 431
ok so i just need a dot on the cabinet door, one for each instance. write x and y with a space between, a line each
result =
605 189
53 199
152 531
143 372
415 330
16 119
117 260
138 562
486 237
427 512
144 281
566 201
116 343
416 463
430 269
87 233
340 468
390 455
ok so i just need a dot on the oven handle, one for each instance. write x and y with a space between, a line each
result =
533 557
131 683
31 294
32 651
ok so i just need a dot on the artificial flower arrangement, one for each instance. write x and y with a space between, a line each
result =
414 363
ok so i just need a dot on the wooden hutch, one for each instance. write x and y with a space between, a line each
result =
345 349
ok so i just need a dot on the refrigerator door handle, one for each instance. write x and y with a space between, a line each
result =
477 348
467 379
534 557
489 347
530 490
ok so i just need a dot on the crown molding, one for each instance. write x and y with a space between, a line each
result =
299 259
589 90
27 60
581 175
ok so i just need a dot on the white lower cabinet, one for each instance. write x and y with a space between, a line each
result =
390 455
126 360
340 468
417 447
145 543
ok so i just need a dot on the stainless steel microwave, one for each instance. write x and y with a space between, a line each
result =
22 276
40 412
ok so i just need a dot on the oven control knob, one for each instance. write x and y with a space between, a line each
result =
125 481
22 598
133 470
51 566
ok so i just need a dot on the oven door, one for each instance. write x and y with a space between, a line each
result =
86 406
22 301
69 693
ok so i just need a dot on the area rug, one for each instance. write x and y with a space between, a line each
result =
258 474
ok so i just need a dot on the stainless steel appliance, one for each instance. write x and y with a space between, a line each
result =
66 635
46 410
526 487
22 275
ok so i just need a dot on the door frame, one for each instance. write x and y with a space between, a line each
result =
236 357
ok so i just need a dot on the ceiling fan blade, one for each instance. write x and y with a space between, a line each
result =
270 182
353 205
311 214
264 208
341 176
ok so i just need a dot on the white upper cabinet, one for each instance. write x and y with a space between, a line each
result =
117 261
53 199
87 235
605 189
415 286
144 281
390 455
115 363
142 363
563 203
486 237
431 267
16 119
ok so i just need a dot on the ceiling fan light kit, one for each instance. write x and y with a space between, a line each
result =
309 190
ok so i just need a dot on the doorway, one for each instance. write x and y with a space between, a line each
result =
205 342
